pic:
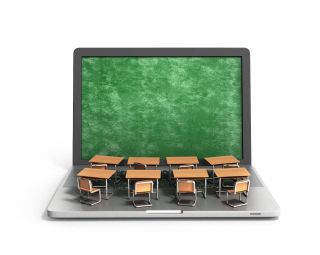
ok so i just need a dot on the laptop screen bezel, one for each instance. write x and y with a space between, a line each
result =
160 52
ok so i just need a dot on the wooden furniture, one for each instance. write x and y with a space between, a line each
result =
98 174
186 187
223 160
194 174
107 160
190 160
154 175
228 173
149 161
142 188
85 185
239 188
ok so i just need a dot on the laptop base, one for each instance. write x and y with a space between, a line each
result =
65 203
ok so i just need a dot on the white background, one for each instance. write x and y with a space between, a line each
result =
37 40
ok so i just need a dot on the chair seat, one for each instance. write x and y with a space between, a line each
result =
92 190
142 192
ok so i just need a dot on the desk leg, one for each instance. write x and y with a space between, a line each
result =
107 189
115 175
246 193
219 192
108 195
205 187
129 188
157 188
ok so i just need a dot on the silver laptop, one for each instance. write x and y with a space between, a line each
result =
160 102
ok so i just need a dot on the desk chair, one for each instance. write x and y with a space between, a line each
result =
181 167
239 188
85 185
99 183
229 183
142 188
186 187
139 166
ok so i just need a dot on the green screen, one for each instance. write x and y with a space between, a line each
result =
161 106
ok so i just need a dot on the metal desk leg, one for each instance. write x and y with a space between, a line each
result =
157 189
117 178
205 187
246 193
129 188
219 192
106 188
108 195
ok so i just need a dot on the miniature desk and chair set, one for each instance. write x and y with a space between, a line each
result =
145 180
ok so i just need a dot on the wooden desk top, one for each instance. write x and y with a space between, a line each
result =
144 160
182 160
231 172
100 159
192 174
143 174
222 160
96 173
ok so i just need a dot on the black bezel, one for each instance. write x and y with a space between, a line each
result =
161 52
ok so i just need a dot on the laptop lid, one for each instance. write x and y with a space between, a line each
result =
161 102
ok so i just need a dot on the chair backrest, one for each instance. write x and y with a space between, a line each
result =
139 166
187 186
84 184
186 167
241 186
99 166
143 187
233 165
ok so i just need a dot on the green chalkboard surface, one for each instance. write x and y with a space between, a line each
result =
161 106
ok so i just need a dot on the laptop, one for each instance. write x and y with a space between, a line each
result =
162 102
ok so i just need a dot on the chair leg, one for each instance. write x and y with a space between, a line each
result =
236 204
86 200
143 205
179 200
227 198
97 202
195 199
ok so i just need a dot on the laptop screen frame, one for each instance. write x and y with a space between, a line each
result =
243 53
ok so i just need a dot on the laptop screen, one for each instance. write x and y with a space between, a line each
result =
161 106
